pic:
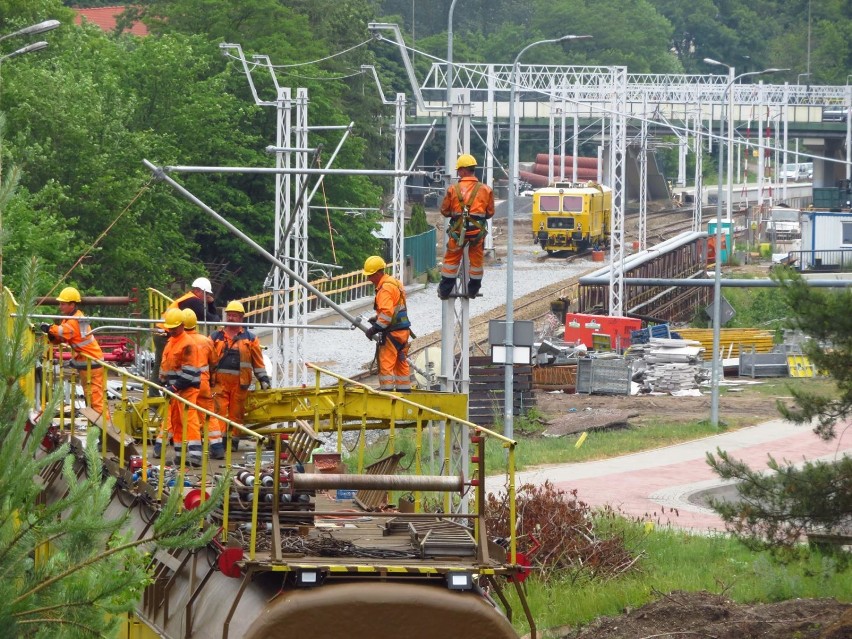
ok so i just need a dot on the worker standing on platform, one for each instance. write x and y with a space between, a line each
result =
238 359
180 373
392 322
469 204
86 352
200 299
207 357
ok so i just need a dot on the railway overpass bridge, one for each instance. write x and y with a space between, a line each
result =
803 121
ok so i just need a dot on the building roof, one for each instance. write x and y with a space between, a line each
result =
105 18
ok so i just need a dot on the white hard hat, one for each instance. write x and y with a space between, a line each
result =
204 284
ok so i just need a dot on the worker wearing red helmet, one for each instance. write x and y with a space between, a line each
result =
392 322
238 360
469 204
180 373
87 355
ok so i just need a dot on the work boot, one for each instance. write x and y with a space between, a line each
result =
446 287
473 287
217 451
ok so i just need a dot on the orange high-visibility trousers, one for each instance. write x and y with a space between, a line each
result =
453 257
394 371
230 399
93 389
193 424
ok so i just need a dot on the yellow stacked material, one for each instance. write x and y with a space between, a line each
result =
731 340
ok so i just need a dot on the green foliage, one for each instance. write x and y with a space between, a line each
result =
418 223
673 560
779 508
68 568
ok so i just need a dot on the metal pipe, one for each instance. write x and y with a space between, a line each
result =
139 320
284 170
322 481
94 299
355 321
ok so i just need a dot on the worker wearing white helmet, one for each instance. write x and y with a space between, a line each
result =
200 299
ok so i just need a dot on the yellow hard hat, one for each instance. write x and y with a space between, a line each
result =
373 264
190 321
235 307
173 318
465 161
69 294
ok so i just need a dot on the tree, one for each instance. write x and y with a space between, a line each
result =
777 509
68 568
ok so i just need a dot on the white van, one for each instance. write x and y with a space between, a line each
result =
797 172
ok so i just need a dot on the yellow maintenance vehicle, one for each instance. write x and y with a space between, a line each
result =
570 216
306 544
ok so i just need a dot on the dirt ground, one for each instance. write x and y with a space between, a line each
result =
570 413
707 616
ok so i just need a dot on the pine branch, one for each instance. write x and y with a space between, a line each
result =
66 622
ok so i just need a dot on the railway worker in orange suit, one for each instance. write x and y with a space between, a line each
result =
238 360
469 204
180 373
200 299
207 356
392 323
76 332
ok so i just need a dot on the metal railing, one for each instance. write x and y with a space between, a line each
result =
836 260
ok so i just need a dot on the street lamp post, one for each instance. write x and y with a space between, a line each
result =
717 271
34 29
451 150
508 388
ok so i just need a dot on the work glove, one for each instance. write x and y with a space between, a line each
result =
45 328
371 331
171 388
264 385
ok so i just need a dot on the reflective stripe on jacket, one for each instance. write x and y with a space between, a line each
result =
239 357
77 333
390 305
181 366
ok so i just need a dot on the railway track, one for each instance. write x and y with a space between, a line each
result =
535 306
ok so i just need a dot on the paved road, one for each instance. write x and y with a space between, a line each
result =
665 486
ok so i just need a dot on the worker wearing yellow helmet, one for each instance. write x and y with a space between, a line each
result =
392 324
86 354
180 374
202 302
468 204
207 363
238 360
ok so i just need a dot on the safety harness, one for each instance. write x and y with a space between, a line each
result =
460 225
399 321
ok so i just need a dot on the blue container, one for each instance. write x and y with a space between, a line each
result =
345 494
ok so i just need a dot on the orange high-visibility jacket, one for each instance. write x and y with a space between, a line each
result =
458 195
390 306
206 359
181 366
239 358
77 333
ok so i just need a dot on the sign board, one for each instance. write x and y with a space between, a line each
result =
523 336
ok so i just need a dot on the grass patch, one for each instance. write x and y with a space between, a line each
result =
535 450
678 561
603 444
780 387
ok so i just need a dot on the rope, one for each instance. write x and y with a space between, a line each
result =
101 236
327 215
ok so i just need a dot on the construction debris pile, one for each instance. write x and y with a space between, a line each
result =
668 365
